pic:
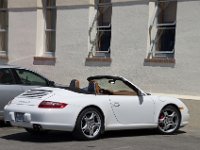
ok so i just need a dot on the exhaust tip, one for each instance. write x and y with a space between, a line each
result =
37 127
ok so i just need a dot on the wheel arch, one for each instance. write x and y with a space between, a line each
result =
96 107
174 105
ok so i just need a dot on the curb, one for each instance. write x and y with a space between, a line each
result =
188 97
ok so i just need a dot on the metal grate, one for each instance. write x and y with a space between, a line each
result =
35 93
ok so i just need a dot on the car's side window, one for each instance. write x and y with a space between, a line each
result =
6 77
30 78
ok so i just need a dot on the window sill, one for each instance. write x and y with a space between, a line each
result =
166 62
41 60
98 61
3 59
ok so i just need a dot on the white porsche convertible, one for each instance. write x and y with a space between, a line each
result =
108 103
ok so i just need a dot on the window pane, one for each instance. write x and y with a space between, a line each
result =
166 28
104 26
3 25
29 78
167 12
166 40
3 3
6 77
104 38
3 19
3 41
104 13
50 41
51 19
50 3
50 26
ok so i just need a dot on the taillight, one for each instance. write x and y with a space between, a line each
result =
50 104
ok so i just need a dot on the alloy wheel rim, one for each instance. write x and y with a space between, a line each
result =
91 124
168 120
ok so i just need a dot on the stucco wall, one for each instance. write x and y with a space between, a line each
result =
128 49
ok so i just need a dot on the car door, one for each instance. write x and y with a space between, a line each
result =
8 88
133 109
28 79
128 107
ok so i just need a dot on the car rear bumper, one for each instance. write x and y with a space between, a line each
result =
46 119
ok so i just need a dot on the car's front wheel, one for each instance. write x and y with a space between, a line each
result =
89 125
169 120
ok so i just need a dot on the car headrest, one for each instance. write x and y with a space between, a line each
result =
93 87
74 84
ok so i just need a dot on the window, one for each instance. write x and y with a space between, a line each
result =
100 30
30 78
6 77
162 31
103 28
50 30
3 28
46 32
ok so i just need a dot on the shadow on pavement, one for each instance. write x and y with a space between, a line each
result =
60 136
3 124
55 136
136 133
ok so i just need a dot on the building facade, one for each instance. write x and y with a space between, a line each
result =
154 43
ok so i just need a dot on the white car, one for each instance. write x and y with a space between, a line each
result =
108 103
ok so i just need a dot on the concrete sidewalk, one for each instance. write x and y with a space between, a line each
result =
194 111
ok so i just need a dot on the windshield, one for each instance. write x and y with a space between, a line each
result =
115 86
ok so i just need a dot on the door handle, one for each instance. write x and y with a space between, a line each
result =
116 104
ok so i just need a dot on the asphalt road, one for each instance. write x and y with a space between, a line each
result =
187 138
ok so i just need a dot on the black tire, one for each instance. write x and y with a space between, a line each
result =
169 120
2 123
89 124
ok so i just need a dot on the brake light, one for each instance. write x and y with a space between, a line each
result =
50 104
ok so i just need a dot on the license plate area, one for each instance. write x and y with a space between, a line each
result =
19 117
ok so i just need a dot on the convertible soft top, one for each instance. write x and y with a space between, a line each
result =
104 76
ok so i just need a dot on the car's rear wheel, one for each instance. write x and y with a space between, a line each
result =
89 125
169 120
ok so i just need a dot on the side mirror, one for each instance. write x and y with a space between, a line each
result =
140 93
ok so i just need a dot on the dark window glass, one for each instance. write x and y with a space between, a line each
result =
167 40
50 41
166 26
50 30
3 25
3 41
50 3
162 37
30 78
104 25
6 77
